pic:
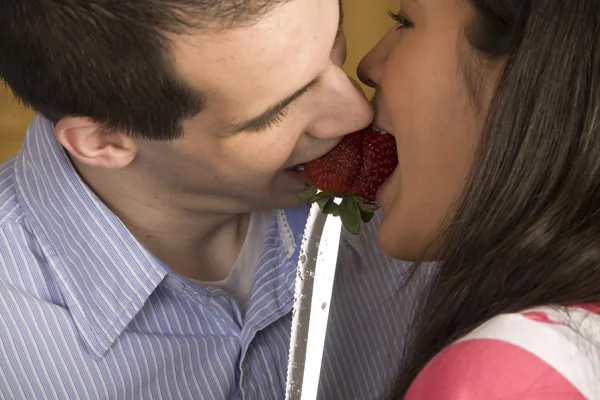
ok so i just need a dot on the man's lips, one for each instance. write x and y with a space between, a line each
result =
298 174
296 168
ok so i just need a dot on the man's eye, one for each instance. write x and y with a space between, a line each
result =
274 121
402 21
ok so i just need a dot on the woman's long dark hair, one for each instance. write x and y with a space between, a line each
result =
527 229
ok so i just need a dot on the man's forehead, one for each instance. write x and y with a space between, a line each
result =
286 48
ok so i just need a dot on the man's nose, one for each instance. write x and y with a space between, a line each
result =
346 110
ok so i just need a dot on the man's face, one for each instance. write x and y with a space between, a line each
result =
230 158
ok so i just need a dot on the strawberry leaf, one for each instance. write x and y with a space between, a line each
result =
350 215
308 193
323 203
332 208
366 216
321 199
368 206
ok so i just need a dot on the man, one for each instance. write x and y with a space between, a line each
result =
144 247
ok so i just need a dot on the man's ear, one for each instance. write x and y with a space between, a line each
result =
90 143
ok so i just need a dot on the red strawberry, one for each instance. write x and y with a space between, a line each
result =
352 171
379 159
336 171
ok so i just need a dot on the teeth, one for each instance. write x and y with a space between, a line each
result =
378 130
299 168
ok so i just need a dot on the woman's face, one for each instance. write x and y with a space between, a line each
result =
420 70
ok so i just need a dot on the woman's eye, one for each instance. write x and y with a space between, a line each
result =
401 20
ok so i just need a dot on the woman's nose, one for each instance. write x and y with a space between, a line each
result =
370 68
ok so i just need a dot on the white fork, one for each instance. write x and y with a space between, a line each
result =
314 285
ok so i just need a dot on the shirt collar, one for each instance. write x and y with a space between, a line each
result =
105 274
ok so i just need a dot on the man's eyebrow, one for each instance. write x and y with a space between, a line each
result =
274 110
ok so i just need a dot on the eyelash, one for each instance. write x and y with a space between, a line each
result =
402 21
276 120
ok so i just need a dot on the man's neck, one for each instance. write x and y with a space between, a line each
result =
196 243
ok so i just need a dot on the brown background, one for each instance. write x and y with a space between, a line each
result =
366 21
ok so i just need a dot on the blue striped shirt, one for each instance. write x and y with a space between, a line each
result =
88 313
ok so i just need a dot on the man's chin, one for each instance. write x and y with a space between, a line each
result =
282 193
287 201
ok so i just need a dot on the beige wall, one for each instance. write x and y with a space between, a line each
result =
366 21
13 121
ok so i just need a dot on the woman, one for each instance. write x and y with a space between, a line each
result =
495 107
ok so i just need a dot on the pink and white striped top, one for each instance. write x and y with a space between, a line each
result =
539 354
